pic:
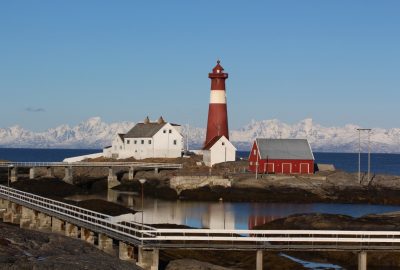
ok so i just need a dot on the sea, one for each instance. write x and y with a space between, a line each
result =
380 163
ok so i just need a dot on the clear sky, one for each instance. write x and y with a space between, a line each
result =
62 62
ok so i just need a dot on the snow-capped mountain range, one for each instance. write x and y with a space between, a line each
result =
94 133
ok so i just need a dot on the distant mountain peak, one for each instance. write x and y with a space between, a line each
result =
94 133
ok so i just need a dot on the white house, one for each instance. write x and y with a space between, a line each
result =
218 150
148 140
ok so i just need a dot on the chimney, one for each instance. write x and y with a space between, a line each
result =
160 120
146 120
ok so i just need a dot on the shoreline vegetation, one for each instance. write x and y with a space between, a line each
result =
329 186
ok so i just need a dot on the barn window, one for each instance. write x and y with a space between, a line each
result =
142 141
135 141
251 163
149 141
128 141
255 151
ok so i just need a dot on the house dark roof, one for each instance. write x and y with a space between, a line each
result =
121 136
211 143
284 149
142 130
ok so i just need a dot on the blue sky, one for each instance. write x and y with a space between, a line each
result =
337 62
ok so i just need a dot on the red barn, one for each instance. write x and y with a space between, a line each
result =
286 156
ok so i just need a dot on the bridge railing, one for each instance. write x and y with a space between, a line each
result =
92 218
92 164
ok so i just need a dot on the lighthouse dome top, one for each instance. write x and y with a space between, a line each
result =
218 68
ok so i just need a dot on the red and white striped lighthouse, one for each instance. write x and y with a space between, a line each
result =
217 124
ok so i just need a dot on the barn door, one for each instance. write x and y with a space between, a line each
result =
304 168
269 168
286 168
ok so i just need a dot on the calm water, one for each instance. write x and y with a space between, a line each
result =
380 163
46 155
226 215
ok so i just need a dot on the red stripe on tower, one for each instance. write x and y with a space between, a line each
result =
217 124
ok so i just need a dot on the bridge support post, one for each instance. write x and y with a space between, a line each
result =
126 252
148 259
14 174
57 225
43 222
50 172
28 218
112 178
13 213
362 260
259 260
71 230
87 236
68 177
32 172
131 173
106 244
156 170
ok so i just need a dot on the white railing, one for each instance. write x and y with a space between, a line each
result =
188 238
92 164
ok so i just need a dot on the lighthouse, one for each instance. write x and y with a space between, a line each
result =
217 124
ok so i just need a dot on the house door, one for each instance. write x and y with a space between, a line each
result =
286 168
304 168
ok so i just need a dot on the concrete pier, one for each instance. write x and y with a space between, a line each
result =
87 236
43 222
362 260
14 174
32 173
13 213
71 230
156 170
259 260
28 218
112 178
106 244
131 173
50 172
68 177
57 225
126 252
148 258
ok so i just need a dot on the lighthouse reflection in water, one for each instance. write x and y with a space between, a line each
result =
226 215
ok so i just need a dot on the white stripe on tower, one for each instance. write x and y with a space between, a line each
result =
218 97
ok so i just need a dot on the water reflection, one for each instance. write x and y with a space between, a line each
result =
225 215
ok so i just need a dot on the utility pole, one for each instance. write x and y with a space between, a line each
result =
359 152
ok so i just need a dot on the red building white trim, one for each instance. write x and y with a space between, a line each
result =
281 156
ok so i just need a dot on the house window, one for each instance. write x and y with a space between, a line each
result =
170 131
142 141
164 131
174 142
149 141
128 141
135 141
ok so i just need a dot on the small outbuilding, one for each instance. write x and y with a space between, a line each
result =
218 150
281 156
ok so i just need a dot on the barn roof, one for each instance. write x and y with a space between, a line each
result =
284 149
144 130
